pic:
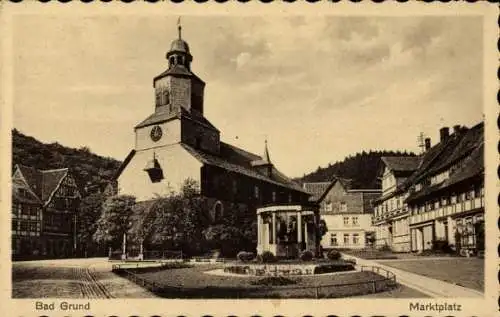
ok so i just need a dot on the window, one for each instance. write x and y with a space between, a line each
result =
346 238
328 206
355 221
343 207
289 198
355 238
166 97
453 198
158 99
235 186
24 226
218 211
256 192
346 221
333 239
274 197
14 225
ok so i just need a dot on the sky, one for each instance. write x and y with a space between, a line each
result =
319 88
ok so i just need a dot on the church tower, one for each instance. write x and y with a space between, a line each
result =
178 112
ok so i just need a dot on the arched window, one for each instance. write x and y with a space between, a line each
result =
166 97
172 61
158 99
218 211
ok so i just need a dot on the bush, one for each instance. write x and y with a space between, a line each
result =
274 281
306 255
236 269
441 246
334 255
266 257
385 247
245 256
333 267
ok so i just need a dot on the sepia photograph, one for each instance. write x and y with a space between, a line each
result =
223 156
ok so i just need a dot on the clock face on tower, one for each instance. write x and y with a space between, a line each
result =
156 133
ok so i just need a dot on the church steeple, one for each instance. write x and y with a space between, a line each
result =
265 157
179 54
264 165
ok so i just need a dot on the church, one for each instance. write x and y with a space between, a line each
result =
177 142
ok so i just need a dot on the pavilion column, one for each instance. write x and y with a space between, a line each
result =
299 228
274 227
259 229
306 238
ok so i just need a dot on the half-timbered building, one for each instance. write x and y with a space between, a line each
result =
45 206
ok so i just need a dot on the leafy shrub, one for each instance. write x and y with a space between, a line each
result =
236 269
385 247
441 246
306 255
266 257
245 256
334 255
274 281
333 267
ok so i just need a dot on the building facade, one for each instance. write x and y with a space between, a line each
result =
177 142
45 206
391 211
347 213
443 199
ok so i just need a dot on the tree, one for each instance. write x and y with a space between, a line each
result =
115 220
177 220
90 212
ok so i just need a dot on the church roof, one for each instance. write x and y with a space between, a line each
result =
164 116
239 161
179 70
179 45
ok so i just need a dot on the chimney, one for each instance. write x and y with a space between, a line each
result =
456 129
444 134
427 144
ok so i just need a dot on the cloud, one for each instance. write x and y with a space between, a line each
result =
325 85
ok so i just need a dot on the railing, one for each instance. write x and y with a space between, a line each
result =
163 255
387 282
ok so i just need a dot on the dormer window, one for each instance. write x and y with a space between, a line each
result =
154 170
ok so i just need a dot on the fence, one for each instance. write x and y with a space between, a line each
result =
162 255
147 255
386 282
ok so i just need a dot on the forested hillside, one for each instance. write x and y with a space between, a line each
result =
91 171
361 168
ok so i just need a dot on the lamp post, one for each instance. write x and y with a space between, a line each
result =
124 246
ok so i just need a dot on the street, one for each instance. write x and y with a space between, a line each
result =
71 278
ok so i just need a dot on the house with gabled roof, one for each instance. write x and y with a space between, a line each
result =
177 142
390 217
347 212
446 199
45 205
441 203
